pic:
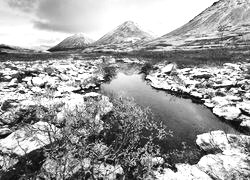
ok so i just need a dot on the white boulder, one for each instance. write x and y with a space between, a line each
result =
29 138
184 171
37 81
228 112
226 167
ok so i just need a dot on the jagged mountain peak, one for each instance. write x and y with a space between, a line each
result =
81 37
127 32
129 23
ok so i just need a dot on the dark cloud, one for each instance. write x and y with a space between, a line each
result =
70 15
23 5
64 27
73 15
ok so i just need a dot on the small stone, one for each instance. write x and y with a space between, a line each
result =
168 68
13 83
196 94
247 95
201 75
37 81
5 131
224 84
245 121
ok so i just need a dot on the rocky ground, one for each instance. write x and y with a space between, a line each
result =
33 92
29 93
224 89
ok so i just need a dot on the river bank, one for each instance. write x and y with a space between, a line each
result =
225 90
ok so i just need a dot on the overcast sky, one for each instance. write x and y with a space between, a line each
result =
30 23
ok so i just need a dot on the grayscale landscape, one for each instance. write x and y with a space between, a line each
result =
130 104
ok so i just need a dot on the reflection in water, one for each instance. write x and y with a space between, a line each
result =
183 117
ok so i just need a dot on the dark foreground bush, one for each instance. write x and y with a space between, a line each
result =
130 132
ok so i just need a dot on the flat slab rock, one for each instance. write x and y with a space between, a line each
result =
219 140
232 163
184 172
28 139
226 167
229 112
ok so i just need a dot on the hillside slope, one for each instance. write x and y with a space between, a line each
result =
226 22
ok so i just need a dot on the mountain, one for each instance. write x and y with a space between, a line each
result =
226 22
128 33
77 41
14 49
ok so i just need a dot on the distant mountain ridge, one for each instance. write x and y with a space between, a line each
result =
225 20
128 32
4 48
77 41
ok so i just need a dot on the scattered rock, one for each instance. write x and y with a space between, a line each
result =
223 89
232 162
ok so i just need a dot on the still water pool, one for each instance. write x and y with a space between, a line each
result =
184 118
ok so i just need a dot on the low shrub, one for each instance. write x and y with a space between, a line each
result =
93 147
108 71
146 68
